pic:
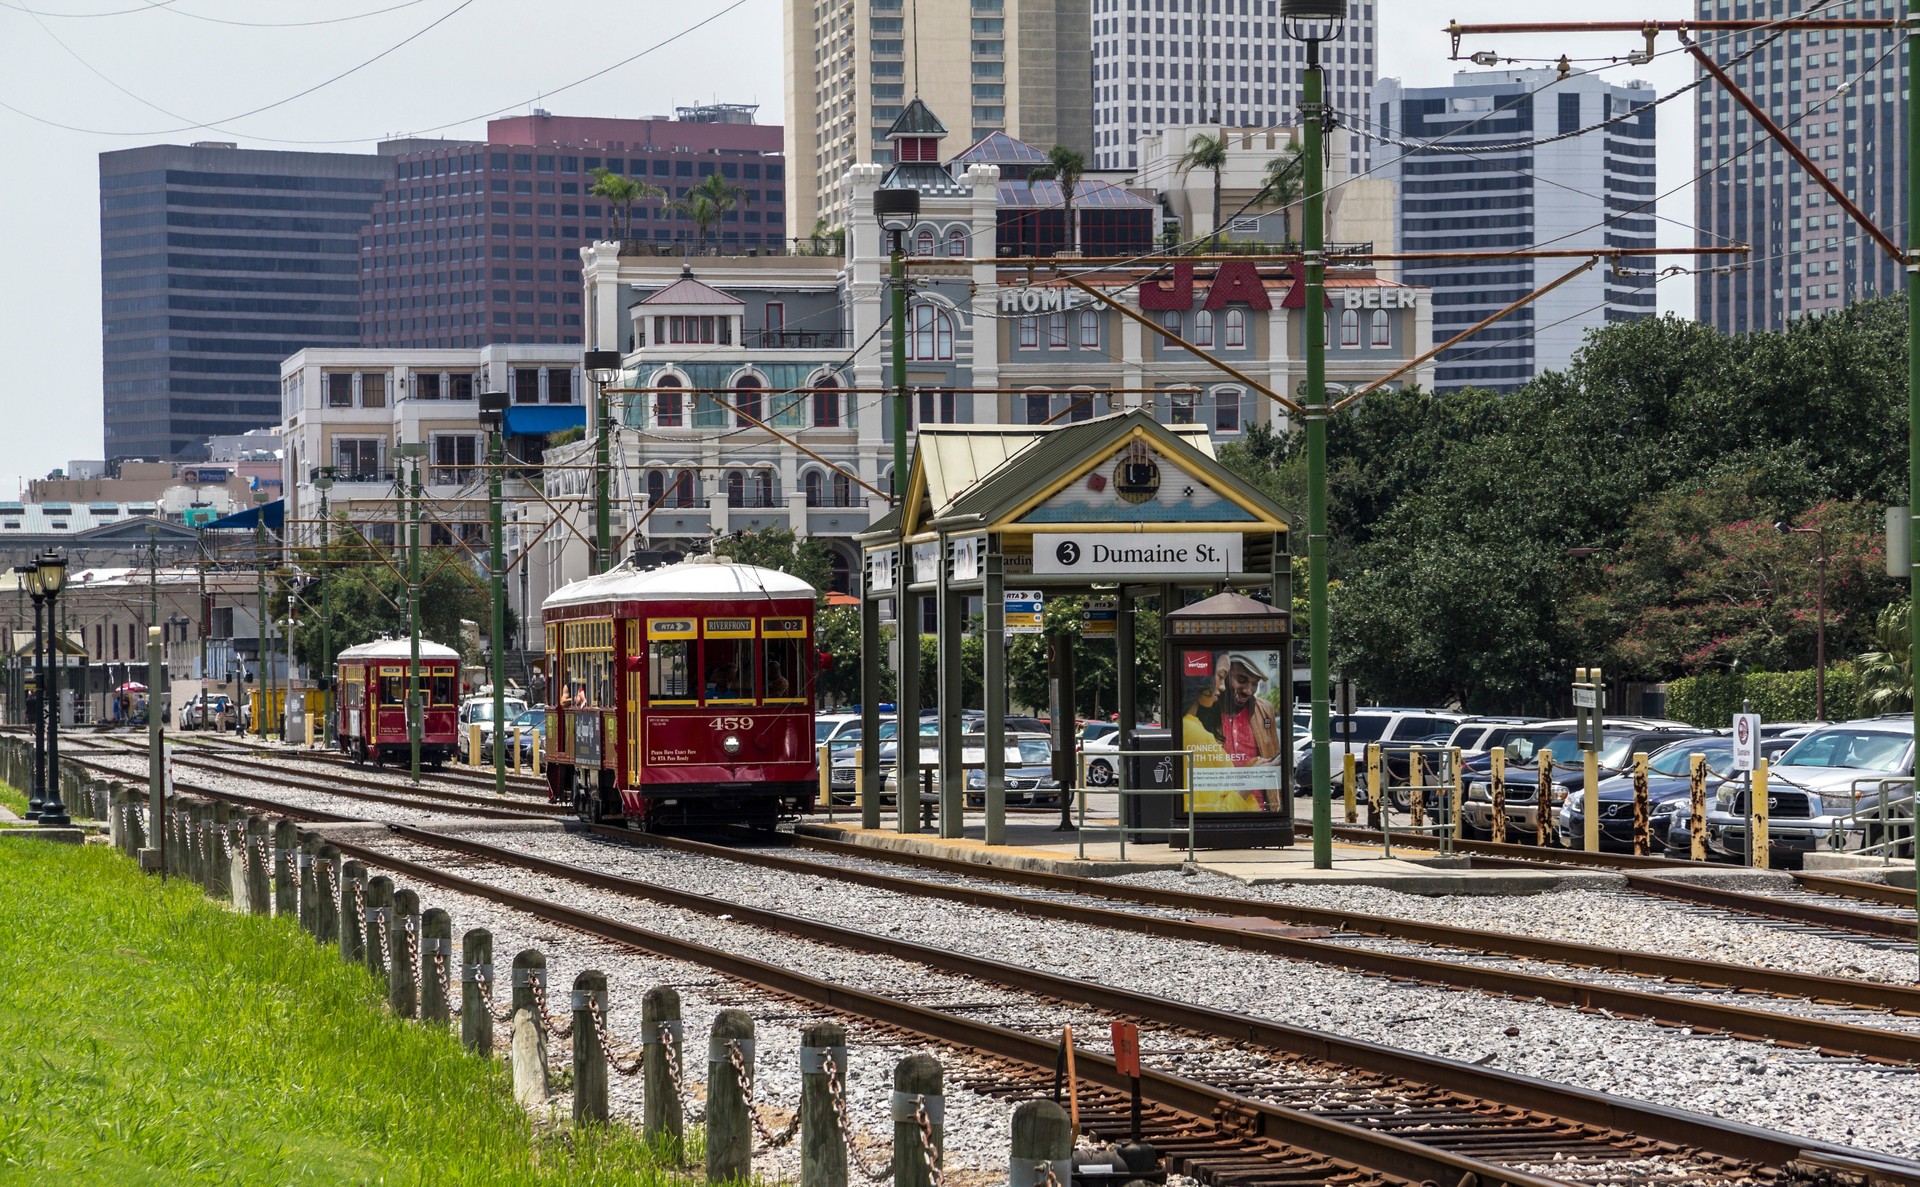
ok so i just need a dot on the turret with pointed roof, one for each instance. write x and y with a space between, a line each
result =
916 137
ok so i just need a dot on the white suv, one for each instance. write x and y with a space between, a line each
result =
1352 733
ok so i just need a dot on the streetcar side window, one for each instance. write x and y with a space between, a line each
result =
669 669
440 691
393 690
728 669
589 660
784 674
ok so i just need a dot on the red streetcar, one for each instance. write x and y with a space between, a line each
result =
371 696
682 695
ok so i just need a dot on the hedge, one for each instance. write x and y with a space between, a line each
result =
1712 700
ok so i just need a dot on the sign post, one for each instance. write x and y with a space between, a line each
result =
1746 756
1589 704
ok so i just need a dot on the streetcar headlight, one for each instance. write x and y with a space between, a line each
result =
731 745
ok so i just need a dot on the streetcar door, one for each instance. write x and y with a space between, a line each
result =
633 695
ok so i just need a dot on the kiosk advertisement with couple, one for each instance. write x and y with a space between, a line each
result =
1231 724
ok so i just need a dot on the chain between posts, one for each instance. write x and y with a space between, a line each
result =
935 1175
441 976
872 1173
771 1140
386 957
539 990
485 983
673 1063
1043 1170
412 923
606 1042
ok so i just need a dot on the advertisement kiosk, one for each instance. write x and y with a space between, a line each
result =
1229 656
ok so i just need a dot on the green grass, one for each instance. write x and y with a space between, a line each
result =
152 1037
13 799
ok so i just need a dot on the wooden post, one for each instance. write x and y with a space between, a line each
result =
916 1087
823 1148
1641 837
1497 776
436 965
1697 801
1042 1138
259 892
326 906
589 1057
174 859
1543 799
476 969
528 1056
353 924
238 874
1416 789
286 886
116 823
1348 789
403 959
1760 844
220 876
1590 783
136 832
379 916
729 1126
206 843
662 1057
308 843
189 841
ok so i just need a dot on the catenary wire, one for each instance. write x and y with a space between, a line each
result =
167 6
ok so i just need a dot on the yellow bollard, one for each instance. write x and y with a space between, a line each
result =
1456 797
1760 844
1416 790
1697 800
311 723
1642 841
826 778
860 779
1347 785
1497 777
538 769
1373 785
1591 778
473 744
1543 801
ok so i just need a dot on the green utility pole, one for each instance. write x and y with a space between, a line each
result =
898 276
1913 372
496 457
602 368
414 723
1312 111
260 652
324 483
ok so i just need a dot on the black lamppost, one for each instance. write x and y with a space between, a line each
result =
52 571
35 681
1819 533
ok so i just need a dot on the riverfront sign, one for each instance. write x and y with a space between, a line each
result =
1176 554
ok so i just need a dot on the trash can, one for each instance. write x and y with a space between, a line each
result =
1152 771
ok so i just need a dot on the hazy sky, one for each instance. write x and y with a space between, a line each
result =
122 73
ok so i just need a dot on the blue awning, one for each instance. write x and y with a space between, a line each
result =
275 513
537 420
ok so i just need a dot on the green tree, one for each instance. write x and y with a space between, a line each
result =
1066 166
369 598
709 203
1208 152
781 549
623 194
1283 186
1886 669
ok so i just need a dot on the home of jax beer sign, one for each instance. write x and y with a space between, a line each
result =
1072 554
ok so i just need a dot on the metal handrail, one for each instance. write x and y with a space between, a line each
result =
1120 789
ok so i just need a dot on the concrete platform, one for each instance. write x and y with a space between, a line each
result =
1033 846
1862 865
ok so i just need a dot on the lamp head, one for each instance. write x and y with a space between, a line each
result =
1313 20
493 410
323 479
603 366
53 571
29 577
410 450
896 209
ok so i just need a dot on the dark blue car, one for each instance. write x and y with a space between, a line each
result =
1522 774
1668 786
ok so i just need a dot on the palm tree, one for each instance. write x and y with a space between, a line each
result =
1207 152
708 203
622 193
1886 672
1283 186
1065 166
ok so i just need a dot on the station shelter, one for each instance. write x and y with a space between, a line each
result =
1119 507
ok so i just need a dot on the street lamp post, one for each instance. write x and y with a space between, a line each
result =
603 367
1314 21
413 451
323 482
896 209
53 575
36 691
1819 534
493 413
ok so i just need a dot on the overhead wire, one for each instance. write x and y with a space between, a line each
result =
167 6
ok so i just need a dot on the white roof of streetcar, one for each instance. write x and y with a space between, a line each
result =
398 649
697 579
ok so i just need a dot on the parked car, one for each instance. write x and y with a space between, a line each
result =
1029 768
1478 735
1826 791
479 710
205 712
1620 740
1669 784
532 726
1396 730
841 745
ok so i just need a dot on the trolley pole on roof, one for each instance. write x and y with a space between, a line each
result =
493 411
412 451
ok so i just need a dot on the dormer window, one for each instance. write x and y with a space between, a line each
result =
698 330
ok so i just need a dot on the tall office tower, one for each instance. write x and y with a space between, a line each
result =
1016 66
473 244
1508 191
1841 97
216 263
1161 64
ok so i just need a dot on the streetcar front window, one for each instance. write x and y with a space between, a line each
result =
669 668
729 670
393 690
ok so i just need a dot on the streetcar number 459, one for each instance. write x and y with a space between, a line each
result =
724 724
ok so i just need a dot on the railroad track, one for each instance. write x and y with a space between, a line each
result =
1448 1108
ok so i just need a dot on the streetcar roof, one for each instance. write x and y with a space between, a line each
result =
398 649
697 580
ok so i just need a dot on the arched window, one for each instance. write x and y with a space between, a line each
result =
1080 405
930 337
1349 328
842 490
1226 409
1203 328
760 489
656 487
669 409
923 242
1236 327
839 572
746 401
1382 328
826 404
736 489
956 242
683 491
816 488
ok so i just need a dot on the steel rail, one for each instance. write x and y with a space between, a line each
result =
1872 892
1625 1118
1532 855
1772 907
1742 978
1381 1153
